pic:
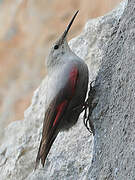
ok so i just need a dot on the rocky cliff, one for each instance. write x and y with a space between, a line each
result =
114 115
71 155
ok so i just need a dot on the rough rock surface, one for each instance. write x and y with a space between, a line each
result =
71 154
114 115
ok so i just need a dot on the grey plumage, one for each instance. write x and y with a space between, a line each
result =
68 94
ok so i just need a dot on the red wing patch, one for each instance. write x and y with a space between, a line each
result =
73 78
59 109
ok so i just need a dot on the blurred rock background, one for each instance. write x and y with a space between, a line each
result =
27 28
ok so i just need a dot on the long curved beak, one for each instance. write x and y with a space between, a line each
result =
69 25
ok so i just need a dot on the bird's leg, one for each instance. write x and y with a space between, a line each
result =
88 107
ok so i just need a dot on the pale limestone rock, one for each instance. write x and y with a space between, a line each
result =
71 154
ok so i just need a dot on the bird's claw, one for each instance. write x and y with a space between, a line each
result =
88 107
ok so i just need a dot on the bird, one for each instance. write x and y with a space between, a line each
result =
67 91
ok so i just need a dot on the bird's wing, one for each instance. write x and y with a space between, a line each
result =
55 113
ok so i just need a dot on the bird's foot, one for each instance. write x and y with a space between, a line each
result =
88 108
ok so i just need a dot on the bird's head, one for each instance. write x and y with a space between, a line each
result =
60 47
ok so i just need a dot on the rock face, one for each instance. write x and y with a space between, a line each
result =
71 153
114 115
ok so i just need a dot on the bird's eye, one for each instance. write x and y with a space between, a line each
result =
56 47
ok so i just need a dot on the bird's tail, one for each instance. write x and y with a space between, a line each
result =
44 148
